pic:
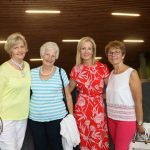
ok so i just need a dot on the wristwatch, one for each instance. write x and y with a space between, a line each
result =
140 123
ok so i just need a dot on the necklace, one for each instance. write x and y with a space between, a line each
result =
47 74
20 66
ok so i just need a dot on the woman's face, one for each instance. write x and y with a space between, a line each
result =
49 58
115 56
86 51
18 51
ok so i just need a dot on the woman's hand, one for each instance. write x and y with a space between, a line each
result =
140 129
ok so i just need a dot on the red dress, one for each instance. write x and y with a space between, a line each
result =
89 109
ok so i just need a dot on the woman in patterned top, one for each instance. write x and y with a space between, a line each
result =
47 107
90 76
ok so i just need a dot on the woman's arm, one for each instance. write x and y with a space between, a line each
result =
69 99
72 85
106 81
104 88
136 89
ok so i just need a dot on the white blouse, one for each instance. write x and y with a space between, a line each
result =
120 103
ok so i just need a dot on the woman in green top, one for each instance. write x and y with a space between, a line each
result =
14 93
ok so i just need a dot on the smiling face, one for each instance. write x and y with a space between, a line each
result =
18 51
49 57
115 56
87 51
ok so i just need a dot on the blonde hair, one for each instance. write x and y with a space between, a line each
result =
115 44
48 46
80 43
14 39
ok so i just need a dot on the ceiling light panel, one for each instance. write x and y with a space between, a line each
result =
43 11
133 41
3 42
73 40
125 14
98 58
35 59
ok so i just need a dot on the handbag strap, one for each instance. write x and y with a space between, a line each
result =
64 94
146 137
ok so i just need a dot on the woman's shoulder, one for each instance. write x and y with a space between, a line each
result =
35 69
25 62
132 71
60 68
4 66
129 70
78 68
5 69
63 71
100 64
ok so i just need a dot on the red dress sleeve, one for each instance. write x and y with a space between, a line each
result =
106 71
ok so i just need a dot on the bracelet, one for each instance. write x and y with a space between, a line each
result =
140 123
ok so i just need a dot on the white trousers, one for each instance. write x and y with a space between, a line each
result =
13 134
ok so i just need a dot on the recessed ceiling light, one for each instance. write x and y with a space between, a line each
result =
75 40
3 42
43 11
133 41
126 14
35 59
98 58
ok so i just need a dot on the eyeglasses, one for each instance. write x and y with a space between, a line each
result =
113 53
1 126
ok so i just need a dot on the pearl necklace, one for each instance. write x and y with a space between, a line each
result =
20 66
47 73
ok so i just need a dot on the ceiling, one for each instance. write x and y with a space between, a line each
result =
78 18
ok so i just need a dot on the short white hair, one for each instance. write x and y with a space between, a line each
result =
48 46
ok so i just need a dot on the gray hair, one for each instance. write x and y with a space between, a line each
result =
14 39
48 46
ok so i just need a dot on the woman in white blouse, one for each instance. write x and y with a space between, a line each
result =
123 97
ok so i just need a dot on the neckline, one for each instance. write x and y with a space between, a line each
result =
41 71
50 76
20 66
91 65
18 70
121 72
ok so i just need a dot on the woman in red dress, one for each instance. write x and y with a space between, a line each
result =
90 76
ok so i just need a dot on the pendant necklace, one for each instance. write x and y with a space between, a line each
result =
20 66
47 73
